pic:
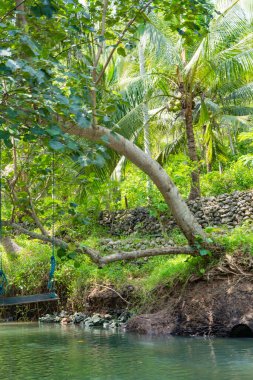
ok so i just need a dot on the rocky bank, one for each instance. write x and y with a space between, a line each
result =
219 303
106 321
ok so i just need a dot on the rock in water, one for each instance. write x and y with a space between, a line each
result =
78 318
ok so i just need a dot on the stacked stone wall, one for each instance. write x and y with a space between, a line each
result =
226 209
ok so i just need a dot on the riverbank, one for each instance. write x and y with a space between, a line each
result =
219 303
106 321
176 295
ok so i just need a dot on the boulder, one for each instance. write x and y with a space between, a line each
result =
48 318
78 317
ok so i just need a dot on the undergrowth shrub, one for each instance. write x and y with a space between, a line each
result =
236 177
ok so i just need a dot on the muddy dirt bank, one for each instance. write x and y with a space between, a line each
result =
219 304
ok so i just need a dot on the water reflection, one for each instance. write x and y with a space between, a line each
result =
29 352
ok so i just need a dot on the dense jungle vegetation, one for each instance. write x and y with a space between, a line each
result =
111 105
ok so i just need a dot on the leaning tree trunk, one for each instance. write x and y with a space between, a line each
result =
180 211
191 145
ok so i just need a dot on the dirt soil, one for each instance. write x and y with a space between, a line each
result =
218 304
106 299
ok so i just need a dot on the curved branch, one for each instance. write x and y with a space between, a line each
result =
104 260
34 235
12 10
162 251
128 25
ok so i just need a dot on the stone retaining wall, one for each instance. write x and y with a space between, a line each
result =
230 209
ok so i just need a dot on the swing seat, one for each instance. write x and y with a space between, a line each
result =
22 300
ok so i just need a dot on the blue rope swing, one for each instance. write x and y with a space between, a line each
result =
50 284
3 278
51 296
3 281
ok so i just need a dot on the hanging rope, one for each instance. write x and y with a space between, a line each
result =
3 278
52 259
1 231
52 296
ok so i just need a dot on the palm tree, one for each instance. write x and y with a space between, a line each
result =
190 76
208 84
201 90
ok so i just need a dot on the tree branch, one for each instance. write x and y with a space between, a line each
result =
161 251
130 22
104 260
34 235
103 23
21 18
12 10
33 214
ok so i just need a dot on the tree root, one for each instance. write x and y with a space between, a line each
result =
237 265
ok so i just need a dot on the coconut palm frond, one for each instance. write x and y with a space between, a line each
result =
213 144
238 110
244 136
194 61
235 67
247 159
244 93
237 121
229 34
171 148
164 45
244 44
131 122
230 22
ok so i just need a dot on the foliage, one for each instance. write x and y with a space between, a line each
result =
50 73
76 63
239 239
73 282
247 159
235 177
28 273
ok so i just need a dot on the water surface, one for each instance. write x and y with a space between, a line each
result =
35 352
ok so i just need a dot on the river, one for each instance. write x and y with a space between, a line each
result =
36 352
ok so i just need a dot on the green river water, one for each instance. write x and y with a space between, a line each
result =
36 352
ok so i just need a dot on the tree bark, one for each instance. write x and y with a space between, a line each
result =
104 260
191 145
10 246
232 147
208 167
34 235
162 251
32 213
20 18
180 211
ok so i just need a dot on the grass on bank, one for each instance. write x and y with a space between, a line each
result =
29 272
